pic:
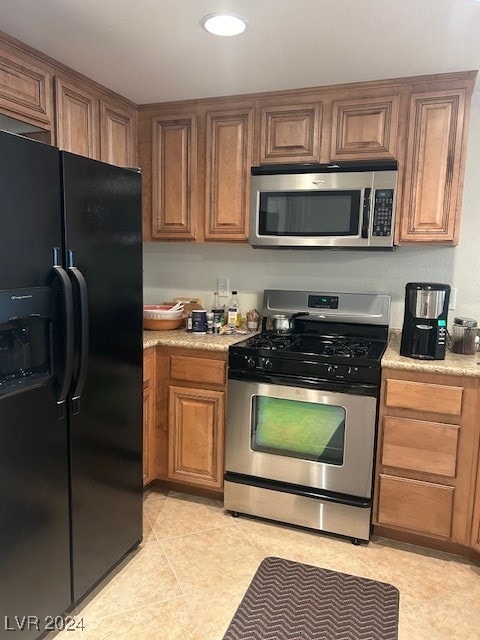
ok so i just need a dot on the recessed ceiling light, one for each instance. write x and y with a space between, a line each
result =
224 24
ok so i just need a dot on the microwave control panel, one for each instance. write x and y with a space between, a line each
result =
382 212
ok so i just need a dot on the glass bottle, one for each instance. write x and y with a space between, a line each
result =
218 311
234 318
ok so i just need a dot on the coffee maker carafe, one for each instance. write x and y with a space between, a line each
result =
424 333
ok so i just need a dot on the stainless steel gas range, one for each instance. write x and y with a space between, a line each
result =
302 411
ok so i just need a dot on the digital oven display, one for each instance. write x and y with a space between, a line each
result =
323 302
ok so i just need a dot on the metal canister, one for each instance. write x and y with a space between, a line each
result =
464 333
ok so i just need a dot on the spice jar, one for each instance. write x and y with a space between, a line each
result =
464 332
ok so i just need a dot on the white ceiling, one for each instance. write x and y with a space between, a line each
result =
155 50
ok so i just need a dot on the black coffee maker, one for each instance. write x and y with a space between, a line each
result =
424 332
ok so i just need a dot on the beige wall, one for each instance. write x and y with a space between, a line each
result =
178 269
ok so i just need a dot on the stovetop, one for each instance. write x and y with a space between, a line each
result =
333 358
331 346
342 338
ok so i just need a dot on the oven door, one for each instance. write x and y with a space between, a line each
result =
310 437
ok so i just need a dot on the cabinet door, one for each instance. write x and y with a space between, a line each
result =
148 435
195 450
25 91
118 135
433 167
77 119
174 170
229 146
475 537
290 134
364 128
148 416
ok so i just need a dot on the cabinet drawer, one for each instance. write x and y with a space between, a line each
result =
422 507
197 370
421 396
427 447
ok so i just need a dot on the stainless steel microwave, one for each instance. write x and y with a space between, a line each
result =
314 206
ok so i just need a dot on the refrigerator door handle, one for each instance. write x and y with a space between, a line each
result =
66 285
81 285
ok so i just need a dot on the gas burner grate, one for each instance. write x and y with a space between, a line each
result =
274 341
348 348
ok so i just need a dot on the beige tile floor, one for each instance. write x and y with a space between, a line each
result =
195 563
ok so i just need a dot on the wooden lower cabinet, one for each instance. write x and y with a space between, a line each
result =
426 456
190 418
475 535
148 416
195 436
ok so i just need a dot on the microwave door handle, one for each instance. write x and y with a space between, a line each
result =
82 290
366 212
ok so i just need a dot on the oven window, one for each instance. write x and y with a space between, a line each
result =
309 213
306 430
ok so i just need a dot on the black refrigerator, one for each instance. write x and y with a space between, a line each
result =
70 378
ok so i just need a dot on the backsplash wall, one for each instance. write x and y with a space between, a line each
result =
188 269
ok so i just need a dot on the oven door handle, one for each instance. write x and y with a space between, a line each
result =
355 388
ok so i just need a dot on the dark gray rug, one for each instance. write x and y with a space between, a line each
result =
291 601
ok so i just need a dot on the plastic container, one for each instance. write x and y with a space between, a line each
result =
464 333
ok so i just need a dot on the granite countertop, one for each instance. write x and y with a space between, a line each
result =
187 340
454 364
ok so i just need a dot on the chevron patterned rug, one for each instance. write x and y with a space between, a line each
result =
291 601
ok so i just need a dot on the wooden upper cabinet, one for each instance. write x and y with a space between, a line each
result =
433 167
174 177
290 133
364 128
229 148
76 119
25 91
118 133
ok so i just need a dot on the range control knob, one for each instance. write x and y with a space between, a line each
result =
332 370
250 362
351 373
267 364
